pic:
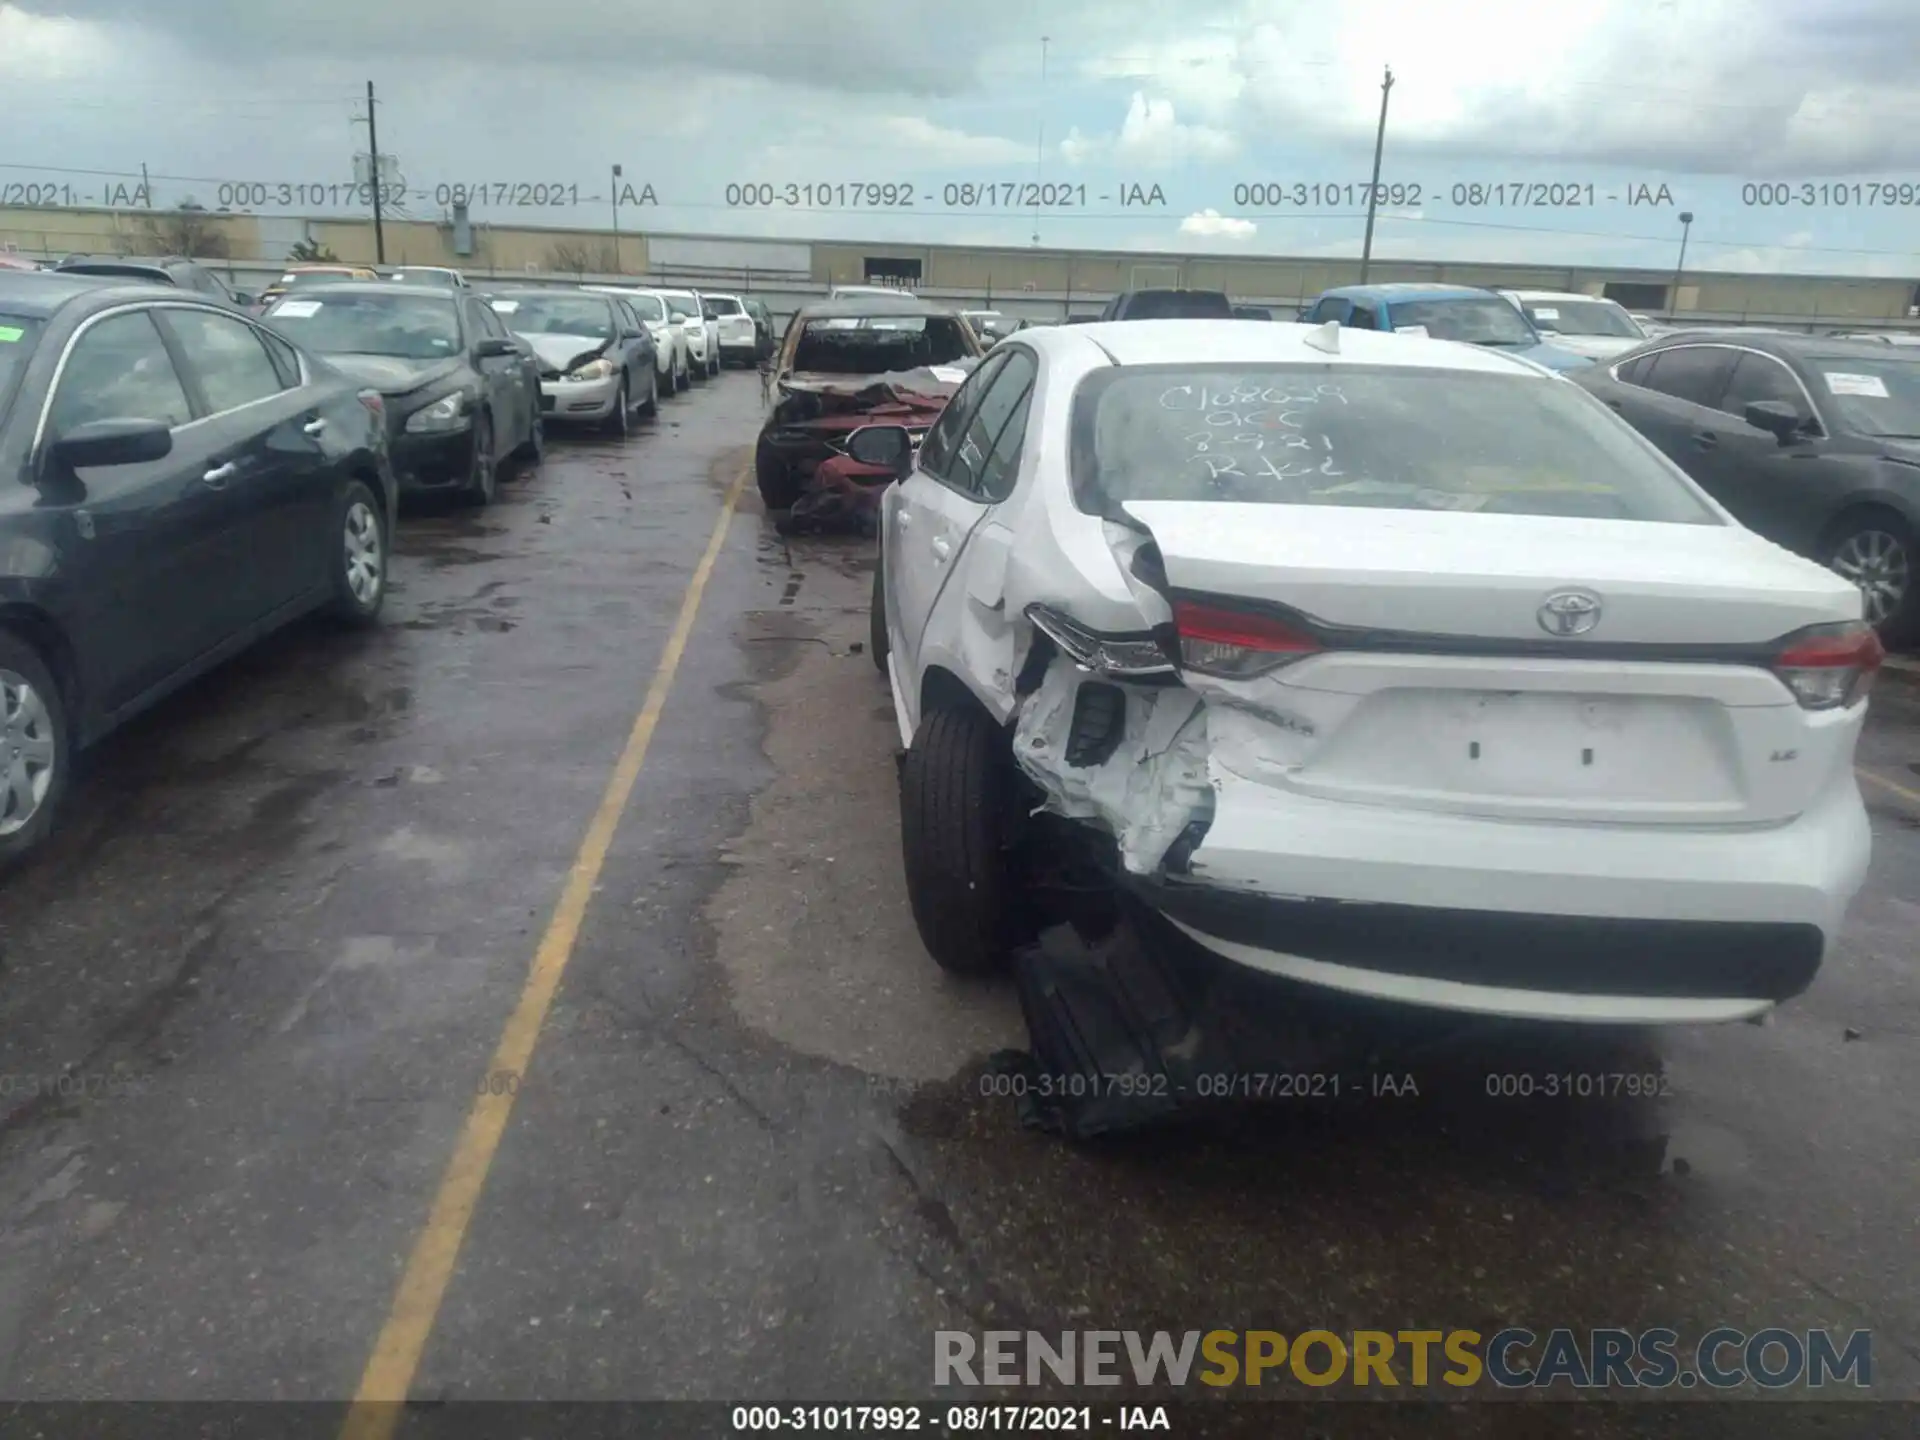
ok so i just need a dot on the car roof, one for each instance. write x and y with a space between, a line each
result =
151 262
1782 343
386 289
854 307
1405 290
1558 295
40 293
540 290
1203 342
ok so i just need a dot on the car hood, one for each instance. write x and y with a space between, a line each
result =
391 375
563 352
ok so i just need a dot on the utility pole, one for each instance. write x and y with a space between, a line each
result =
619 269
1686 228
373 180
1373 192
1040 140
146 186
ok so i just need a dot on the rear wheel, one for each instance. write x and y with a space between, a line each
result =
955 792
35 750
360 568
650 407
535 450
1875 550
682 378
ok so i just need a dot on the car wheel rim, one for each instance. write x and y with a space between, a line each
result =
1877 563
366 562
27 752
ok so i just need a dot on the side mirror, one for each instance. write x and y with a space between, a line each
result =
1776 416
493 347
245 299
889 447
112 442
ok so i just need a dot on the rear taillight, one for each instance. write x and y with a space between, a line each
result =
1829 667
1236 644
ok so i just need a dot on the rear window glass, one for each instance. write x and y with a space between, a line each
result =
855 345
1177 305
723 304
1391 438
18 334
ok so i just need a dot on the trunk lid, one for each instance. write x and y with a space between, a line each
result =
1439 686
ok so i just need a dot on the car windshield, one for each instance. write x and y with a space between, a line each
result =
682 307
18 333
1878 397
1581 317
724 305
1391 438
556 314
407 327
875 345
1475 319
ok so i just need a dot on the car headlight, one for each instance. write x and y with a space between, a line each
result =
447 413
598 369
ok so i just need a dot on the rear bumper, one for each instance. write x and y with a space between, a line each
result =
1620 924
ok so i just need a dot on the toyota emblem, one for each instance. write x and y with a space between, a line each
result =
1569 612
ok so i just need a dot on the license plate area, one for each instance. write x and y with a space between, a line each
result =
1447 744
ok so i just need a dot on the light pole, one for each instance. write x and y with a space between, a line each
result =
1373 194
619 269
1686 228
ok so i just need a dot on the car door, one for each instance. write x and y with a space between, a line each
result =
636 345
942 509
1770 487
503 377
153 564
920 509
268 433
1672 401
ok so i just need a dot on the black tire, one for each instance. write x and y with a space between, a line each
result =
778 486
484 476
22 665
683 379
651 409
534 452
1878 545
362 555
713 364
877 616
954 793
620 422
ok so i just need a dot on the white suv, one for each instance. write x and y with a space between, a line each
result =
1588 325
703 335
1384 664
739 337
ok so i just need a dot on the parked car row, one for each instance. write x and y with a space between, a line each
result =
1391 665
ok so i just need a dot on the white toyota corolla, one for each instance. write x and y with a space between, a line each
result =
1385 664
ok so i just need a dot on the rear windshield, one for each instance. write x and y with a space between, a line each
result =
724 304
1879 397
17 336
1396 439
152 274
852 345
304 278
1177 305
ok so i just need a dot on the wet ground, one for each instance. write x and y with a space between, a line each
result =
757 1153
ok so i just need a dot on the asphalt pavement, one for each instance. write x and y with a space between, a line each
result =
297 916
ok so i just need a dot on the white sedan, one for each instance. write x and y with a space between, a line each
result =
703 334
1588 325
671 357
1383 664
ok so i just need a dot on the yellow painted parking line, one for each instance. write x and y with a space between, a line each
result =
416 1304
1884 783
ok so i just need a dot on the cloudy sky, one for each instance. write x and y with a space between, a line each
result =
1789 128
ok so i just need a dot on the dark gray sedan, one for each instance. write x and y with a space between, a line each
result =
1812 441
181 482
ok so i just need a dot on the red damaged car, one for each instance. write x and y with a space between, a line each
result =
858 360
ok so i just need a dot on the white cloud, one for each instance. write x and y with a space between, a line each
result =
931 144
1212 224
1151 136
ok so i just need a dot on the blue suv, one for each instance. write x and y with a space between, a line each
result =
1444 312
